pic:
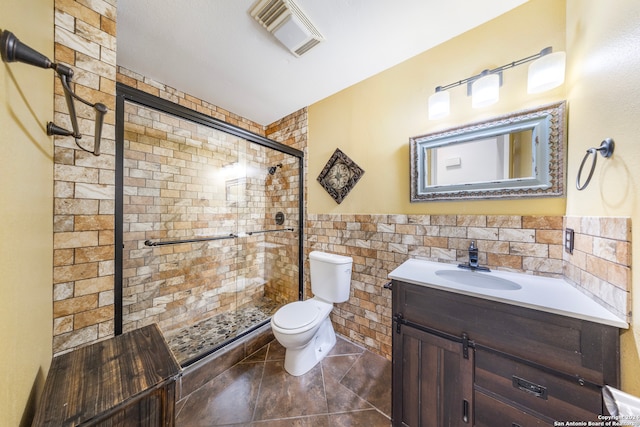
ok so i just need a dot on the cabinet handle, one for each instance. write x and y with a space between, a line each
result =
465 411
529 387
399 319
465 345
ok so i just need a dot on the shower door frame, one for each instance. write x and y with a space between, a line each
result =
126 93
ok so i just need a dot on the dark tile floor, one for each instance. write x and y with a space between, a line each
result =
350 387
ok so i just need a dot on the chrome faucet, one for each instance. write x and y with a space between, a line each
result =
473 255
473 259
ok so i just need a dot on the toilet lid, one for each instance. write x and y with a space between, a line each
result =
295 315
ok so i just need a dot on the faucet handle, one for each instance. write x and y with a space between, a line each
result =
472 246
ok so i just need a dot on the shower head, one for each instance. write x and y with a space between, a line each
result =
272 169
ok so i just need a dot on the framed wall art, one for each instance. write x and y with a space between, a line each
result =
339 175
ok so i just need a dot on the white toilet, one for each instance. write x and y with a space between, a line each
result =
303 327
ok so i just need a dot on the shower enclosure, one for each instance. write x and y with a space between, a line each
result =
208 225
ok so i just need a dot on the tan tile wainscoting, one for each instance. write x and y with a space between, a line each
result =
600 264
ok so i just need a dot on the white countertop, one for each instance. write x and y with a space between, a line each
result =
537 292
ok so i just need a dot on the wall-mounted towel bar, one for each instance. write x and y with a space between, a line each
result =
267 231
208 239
199 239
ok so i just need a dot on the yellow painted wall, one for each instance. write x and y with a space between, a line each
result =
372 121
26 214
603 79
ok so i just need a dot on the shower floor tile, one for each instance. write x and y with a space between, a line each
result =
191 341
350 387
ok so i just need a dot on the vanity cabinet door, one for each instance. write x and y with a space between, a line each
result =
432 380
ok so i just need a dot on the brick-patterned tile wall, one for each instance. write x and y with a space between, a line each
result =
601 260
174 189
145 84
85 39
84 185
380 243
291 130
281 249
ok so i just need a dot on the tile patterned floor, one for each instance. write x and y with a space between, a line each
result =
189 342
350 387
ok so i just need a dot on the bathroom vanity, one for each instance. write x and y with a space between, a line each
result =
516 350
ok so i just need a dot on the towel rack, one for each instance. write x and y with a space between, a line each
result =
266 231
605 149
208 239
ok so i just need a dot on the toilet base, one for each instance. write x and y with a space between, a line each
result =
299 361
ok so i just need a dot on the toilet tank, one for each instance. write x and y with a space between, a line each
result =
330 276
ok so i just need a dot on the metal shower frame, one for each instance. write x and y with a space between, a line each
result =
129 94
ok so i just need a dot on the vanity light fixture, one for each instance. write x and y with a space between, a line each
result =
439 104
545 72
485 91
13 50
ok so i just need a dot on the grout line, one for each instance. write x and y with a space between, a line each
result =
264 368
350 368
324 387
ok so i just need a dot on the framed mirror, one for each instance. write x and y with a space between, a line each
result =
516 155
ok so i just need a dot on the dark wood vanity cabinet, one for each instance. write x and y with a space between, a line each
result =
463 361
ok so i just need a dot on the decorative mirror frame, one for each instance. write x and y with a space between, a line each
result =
548 126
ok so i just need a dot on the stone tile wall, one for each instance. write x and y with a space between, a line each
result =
184 180
380 243
84 185
291 130
601 260
599 266
145 84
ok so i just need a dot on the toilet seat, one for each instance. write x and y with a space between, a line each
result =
295 315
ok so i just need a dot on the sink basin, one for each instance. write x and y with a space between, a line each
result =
478 279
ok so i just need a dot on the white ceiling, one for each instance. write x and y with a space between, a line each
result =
215 51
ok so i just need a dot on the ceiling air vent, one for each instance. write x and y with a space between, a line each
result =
285 20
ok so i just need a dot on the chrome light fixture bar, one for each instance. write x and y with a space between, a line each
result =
546 72
13 50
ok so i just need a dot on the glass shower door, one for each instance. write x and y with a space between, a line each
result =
210 230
